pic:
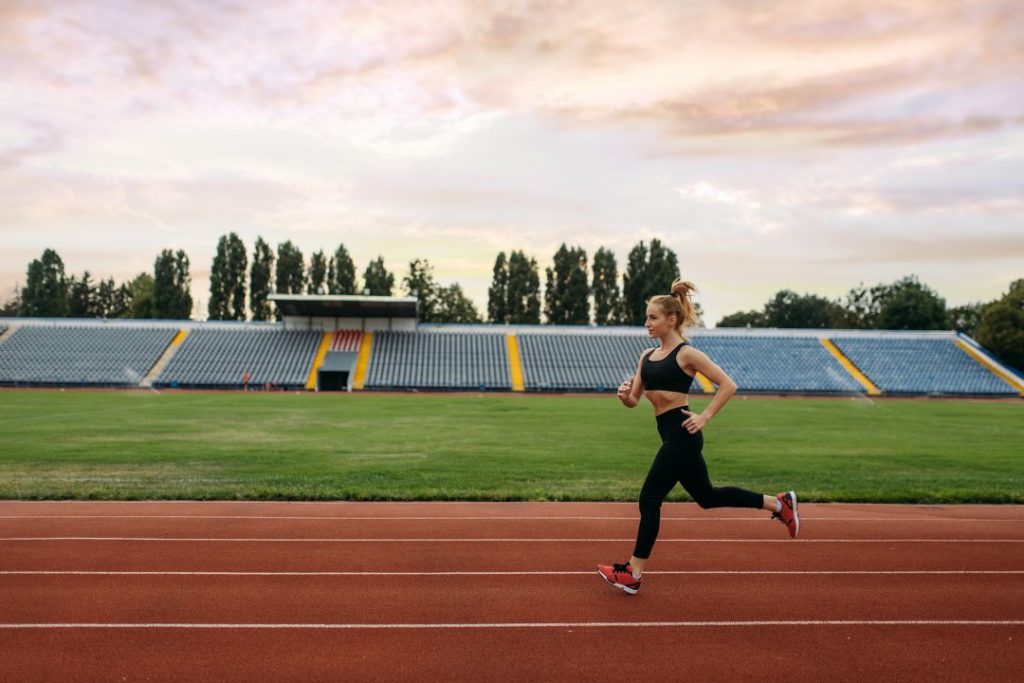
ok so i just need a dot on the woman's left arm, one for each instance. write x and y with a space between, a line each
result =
697 360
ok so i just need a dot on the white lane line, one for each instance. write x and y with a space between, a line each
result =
543 624
633 518
62 572
505 540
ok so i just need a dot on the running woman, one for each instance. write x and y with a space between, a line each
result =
665 373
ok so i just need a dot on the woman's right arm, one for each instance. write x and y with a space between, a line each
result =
631 390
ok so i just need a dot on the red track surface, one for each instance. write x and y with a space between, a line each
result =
364 599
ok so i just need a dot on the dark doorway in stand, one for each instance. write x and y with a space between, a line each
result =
333 381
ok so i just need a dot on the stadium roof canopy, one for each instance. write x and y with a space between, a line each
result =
345 305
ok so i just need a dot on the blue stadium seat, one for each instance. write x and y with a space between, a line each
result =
93 356
778 364
220 357
580 362
920 366
438 360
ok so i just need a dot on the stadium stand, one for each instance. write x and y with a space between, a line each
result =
596 362
920 366
438 360
580 362
93 356
777 364
219 358
435 356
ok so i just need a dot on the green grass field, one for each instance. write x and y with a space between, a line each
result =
139 445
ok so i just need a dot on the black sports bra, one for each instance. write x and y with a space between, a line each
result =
665 374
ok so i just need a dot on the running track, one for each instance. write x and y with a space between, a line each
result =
248 591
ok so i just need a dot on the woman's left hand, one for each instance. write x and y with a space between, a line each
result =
694 423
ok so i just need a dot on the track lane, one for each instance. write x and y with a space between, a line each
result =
712 655
427 556
502 598
762 528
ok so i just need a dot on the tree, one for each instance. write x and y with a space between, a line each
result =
106 294
420 283
634 307
122 307
497 293
647 273
182 285
902 305
220 282
698 314
1001 326
237 265
55 290
290 275
577 291
46 287
662 269
341 273
171 286
741 319
965 318
317 273
553 305
141 296
379 282
227 280
164 296
453 306
789 309
260 280
32 293
910 305
13 306
82 297
566 296
605 288
112 301
862 306
523 299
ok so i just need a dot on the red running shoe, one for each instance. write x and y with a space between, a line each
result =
620 576
788 515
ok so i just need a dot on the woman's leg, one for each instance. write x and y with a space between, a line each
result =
697 483
663 475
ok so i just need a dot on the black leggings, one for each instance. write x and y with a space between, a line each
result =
679 460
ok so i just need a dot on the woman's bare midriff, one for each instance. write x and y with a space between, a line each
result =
664 401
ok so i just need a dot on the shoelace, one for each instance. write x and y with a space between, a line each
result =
620 567
778 516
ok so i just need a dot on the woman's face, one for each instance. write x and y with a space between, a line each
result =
658 324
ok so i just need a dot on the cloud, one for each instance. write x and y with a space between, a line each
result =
28 140
918 248
764 142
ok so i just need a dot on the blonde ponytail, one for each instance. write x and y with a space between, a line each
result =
678 303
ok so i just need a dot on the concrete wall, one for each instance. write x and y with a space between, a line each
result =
363 324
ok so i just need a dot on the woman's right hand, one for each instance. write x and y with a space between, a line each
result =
625 389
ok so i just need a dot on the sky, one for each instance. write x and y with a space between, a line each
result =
771 144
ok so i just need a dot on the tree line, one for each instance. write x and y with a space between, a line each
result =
240 285
906 304
49 292
577 291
